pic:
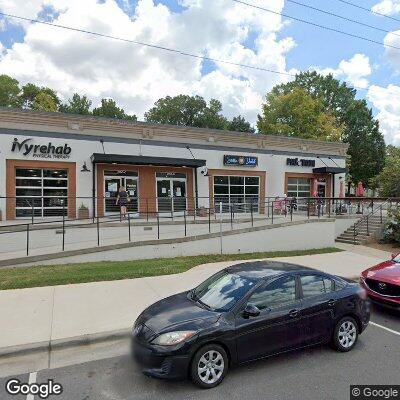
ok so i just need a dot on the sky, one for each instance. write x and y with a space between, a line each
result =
136 76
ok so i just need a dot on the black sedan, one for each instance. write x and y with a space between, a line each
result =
243 313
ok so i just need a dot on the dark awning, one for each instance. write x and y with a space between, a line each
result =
329 170
98 158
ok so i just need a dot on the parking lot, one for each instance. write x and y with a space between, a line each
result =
315 373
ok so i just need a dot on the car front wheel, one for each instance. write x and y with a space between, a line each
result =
209 366
345 335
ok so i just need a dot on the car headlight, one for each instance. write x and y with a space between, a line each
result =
173 338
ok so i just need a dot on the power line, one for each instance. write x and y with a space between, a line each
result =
153 46
342 17
318 25
369 10
69 28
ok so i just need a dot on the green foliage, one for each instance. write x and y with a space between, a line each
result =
391 233
44 102
30 92
298 114
188 111
9 92
239 124
77 105
388 181
110 109
360 129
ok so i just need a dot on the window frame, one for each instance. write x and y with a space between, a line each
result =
322 277
267 283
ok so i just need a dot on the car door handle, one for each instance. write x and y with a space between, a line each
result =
293 313
331 302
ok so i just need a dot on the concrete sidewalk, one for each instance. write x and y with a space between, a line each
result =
40 316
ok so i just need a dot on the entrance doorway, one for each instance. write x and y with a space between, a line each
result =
113 180
171 192
321 187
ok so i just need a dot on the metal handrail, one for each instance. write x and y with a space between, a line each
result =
366 218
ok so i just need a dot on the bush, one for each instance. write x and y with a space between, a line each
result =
391 233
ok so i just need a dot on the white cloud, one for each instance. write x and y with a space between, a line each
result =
387 7
387 102
136 76
392 54
355 71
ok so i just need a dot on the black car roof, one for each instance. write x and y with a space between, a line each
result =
266 269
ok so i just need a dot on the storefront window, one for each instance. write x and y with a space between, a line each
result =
240 191
299 187
43 192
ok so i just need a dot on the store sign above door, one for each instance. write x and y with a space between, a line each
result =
243 161
296 162
28 148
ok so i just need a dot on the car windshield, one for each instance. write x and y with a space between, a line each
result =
222 291
397 259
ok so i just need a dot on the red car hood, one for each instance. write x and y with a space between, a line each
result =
388 271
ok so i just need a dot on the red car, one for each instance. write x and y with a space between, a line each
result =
382 282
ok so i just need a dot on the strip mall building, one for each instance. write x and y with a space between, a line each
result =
53 161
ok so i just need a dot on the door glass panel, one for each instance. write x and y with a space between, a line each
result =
179 193
131 186
312 285
280 292
111 188
164 199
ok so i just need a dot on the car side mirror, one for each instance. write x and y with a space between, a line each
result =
251 311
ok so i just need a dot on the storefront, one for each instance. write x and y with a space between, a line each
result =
55 164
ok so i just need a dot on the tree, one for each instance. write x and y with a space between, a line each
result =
44 102
388 181
239 124
188 111
30 91
361 130
298 114
110 109
77 105
9 92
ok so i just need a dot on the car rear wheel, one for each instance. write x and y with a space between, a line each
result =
209 366
345 335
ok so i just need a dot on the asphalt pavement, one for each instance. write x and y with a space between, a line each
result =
315 373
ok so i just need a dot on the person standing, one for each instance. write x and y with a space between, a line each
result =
122 201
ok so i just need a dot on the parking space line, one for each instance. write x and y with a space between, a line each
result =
32 379
384 327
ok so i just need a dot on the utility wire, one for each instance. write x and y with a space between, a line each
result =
153 46
318 25
69 28
369 10
342 17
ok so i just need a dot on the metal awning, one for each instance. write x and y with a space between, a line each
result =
99 158
329 170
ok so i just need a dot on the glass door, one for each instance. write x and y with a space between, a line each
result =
111 188
131 187
171 192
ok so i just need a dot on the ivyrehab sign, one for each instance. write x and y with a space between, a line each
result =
27 148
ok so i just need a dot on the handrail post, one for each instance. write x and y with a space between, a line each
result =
272 212
147 209
63 228
251 213
308 208
367 225
27 239
129 226
158 225
291 210
98 231
230 208
209 220
354 234
33 209
381 214
184 218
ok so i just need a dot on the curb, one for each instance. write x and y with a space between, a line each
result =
65 343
